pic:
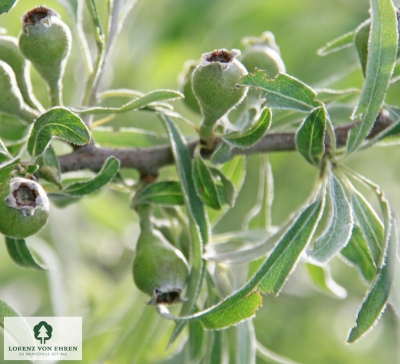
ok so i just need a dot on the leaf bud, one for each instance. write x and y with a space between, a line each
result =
159 269
46 41
24 208
214 84
11 100
10 53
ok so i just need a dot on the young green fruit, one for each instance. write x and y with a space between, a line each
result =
45 40
11 100
159 269
214 84
24 208
10 53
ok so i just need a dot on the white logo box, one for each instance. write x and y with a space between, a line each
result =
43 338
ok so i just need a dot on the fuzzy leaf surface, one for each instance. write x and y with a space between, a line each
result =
166 193
6 169
139 103
322 278
370 224
283 92
253 135
21 255
382 53
338 232
311 135
106 174
7 5
57 122
378 295
337 44
49 167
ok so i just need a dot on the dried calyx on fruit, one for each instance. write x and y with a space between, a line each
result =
214 84
46 41
11 100
159 269
24 208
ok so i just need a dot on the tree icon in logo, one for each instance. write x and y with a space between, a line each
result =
43 331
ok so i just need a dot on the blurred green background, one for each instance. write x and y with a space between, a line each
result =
89 246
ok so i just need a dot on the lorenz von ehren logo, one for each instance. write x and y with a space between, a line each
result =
42 338
43 331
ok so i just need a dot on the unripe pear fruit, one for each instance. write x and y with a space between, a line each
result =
10 53
214 84
11 100
45 40
159 269
24 208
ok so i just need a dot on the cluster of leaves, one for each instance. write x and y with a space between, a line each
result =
336 220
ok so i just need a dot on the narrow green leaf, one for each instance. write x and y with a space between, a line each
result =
326 95
253 135
245 343
222 153
227 194
357 253
311 136
361 42
215 348
7 5
106 174
139 103
127 137
340 225
71 6
381 59
223 318
394 298
6 169
6 311
57 122
3 149
378 295
321 277
196 342
337 44
204 183
283 92
284 257
49 167
198 223
21 255
370 224
165 193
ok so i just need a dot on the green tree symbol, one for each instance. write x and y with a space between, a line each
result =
43 331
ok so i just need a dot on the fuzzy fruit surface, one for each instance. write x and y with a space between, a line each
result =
46 41
214 84
159 269
24 208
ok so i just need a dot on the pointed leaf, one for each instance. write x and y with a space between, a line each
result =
127 137
311 136
377 297
361 41
246 343
286 254
6 169
283 92
338 232
337 44
253 135
57 122
49 167
222 153
7 5
321 277
21 255
204 183
3 149
370 224
357 253
382 54
106 174
227 193
166 193
141 102
198 223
